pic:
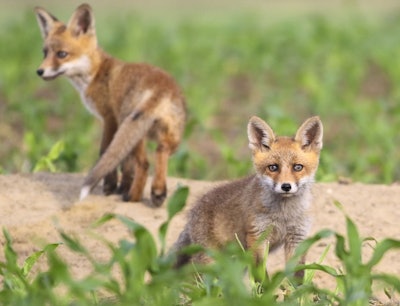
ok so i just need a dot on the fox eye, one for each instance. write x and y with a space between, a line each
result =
62 54
298 167
273 168
45 51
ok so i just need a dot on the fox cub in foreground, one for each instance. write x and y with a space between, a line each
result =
272 201
134 102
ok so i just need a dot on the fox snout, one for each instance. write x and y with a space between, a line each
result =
40 72
286 189
48 74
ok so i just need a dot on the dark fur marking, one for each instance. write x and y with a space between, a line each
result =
137 115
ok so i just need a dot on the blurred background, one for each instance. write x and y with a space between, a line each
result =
280 60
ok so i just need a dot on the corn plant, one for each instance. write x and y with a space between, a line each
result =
354 283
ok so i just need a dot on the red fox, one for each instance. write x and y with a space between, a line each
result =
272 201
134 101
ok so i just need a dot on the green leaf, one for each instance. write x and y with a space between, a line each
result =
56 150
319 267
105 218
73 244
340 249
380 250
305 245
32 259
388 279
146 246
47 162
175 204
355 242
177 201
10 254
310 275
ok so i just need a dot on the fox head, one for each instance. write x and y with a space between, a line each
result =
68 48
286 165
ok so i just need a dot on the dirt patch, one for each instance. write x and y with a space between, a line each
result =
33 207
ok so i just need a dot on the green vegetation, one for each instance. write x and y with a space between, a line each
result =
346 71
146 276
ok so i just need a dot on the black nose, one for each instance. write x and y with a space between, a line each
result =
40 72
286 187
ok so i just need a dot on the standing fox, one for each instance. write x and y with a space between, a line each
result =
134 101
273 201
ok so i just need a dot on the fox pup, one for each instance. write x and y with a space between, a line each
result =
134 101
274 200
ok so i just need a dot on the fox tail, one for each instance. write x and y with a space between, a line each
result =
130 132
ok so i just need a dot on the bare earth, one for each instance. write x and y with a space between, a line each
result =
34 207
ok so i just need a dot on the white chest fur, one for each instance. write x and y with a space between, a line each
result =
81 84
79 73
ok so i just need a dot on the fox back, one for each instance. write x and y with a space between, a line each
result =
271 202
134 101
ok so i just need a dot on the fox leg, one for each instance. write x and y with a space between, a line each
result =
128 171
256 244
141 166
289 251
291 242
258 248
111 179
159 184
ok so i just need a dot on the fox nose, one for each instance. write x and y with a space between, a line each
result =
286 187
40 72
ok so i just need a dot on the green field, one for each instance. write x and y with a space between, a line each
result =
344 69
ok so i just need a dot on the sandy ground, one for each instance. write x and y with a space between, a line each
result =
33 207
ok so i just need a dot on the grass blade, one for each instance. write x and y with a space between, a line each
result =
32 259
380 250
175 204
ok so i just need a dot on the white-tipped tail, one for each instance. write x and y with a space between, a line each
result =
85 190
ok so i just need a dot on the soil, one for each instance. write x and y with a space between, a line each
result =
34 207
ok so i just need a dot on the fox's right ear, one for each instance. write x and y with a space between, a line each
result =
45 20
310 133
260 134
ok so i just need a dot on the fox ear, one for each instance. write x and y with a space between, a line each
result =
45 20
260 134
310 134
82 21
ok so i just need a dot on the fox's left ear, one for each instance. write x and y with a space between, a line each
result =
82 21
310 134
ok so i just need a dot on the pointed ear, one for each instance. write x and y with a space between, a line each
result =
82 21
45 20
260 134
310 134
